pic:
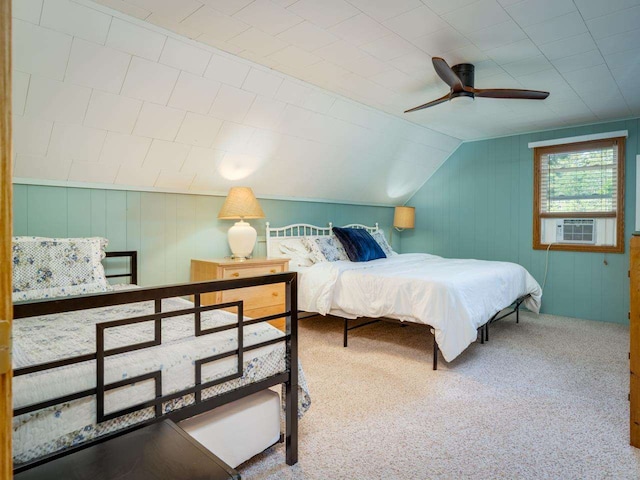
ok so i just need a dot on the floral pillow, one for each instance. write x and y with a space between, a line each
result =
382 241
331 248
57 267
299 255
314 249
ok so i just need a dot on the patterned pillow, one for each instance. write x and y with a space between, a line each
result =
314 250
57 267
297 252
382 241
331 248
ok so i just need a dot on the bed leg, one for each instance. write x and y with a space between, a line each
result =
481 332
518 313
291 423
486 331
345 340
435 353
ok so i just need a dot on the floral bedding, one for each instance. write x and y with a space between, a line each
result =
46 338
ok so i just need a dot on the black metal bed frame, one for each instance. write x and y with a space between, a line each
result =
69 304
483 330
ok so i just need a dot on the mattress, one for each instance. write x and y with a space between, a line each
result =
454 296
46 338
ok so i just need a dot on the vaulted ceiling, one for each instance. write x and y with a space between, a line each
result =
378 52
299 98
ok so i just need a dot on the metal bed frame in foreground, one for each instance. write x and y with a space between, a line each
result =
199 405
482 330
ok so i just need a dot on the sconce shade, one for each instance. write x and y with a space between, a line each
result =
404 217
240 203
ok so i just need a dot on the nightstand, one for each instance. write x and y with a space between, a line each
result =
258 301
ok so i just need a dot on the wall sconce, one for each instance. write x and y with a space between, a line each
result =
404 217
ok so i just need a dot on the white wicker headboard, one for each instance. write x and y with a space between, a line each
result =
298 230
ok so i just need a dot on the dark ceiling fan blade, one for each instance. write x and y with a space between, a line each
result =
446 98
510 93
445 72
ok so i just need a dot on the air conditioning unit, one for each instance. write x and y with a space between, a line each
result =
576 230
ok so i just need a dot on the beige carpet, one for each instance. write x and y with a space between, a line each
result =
544 399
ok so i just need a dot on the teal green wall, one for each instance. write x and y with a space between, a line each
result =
479 204
167 229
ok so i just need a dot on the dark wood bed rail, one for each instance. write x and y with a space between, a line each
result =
133 265
156 294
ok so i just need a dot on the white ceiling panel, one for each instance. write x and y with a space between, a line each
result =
530 12
96 66
621 42
477 16
557 28
324 14
307 36
42 51
514 52
498 35
69 17
416 23
268 17
110 112
359 29
441 42
157 121
578 61
569 46
214 23
213 87
135 40
381 10
185 57
124 149
616 22
597 8
389 47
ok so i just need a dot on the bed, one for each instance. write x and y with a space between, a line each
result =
93 366
455 298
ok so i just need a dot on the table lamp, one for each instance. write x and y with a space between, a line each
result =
241 204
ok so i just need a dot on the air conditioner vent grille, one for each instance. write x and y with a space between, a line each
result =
576 230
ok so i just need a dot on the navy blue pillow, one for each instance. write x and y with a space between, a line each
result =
359 244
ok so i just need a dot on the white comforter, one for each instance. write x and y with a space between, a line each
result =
454 296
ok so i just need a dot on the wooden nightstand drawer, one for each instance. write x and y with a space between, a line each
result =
255 297
244 272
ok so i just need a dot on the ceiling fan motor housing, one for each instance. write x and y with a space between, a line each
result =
464 71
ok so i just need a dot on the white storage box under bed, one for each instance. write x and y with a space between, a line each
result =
237 431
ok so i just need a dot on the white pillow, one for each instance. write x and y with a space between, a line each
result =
57 267
299 254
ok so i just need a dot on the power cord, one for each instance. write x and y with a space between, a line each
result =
546 266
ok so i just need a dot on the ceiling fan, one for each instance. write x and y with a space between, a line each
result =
460 79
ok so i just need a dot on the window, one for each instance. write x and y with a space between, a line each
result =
579 196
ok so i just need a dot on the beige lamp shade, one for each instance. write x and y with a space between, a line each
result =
404 217
240 203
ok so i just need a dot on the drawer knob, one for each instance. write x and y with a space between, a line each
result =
236 274
273 270
275 294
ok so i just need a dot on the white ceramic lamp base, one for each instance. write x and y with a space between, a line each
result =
242 239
